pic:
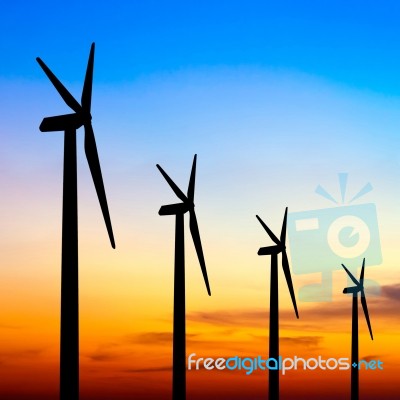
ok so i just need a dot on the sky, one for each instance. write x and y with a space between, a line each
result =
276 99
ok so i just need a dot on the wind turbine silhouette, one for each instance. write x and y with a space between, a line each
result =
179 332
69 123
273 251
354 290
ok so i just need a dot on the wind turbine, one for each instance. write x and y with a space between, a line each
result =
69 123
273 251
179 333
354 290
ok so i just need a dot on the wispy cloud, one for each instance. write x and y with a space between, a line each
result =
7 326
229 317
107 352
100 355
154 369
27 354
391 292
305 341
236 323
368 358
311 318
149 337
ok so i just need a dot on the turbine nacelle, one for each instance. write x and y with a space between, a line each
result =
65 122
352 290
280 247
269 250
174 209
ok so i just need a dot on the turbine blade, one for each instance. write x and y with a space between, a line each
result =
286 270
171 183
283 231
94 165
365 308
352 289
194 230
86 99
173 209
61 89
266 251
351 276
362 273
270 233
190 192
60 123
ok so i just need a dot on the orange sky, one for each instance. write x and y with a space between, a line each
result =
114 363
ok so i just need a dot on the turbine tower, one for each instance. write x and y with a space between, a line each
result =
179 333
69 123
273 251
354 290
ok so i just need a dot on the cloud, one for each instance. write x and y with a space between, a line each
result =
6 326
123 348
99 355
156 337
326 317
154 369
306 341
314 317
245 317
27 354
368 358
107 352
391 292
150 337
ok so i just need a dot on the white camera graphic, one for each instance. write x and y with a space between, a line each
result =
321 240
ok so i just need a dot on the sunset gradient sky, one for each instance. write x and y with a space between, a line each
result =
275 98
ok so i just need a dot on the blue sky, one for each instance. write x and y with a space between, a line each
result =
353 42
275 98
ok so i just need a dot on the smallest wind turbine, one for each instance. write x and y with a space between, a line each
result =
273 251
179 330
354 290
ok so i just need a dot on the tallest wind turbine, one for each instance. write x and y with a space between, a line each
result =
69 123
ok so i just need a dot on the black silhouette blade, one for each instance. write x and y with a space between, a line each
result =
270 233
94 165
267 251
60 123
283 231
173 209
353 289
194 230
362 273
365 308
286 270
190 192
351 276
171 183
61 89
86 98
